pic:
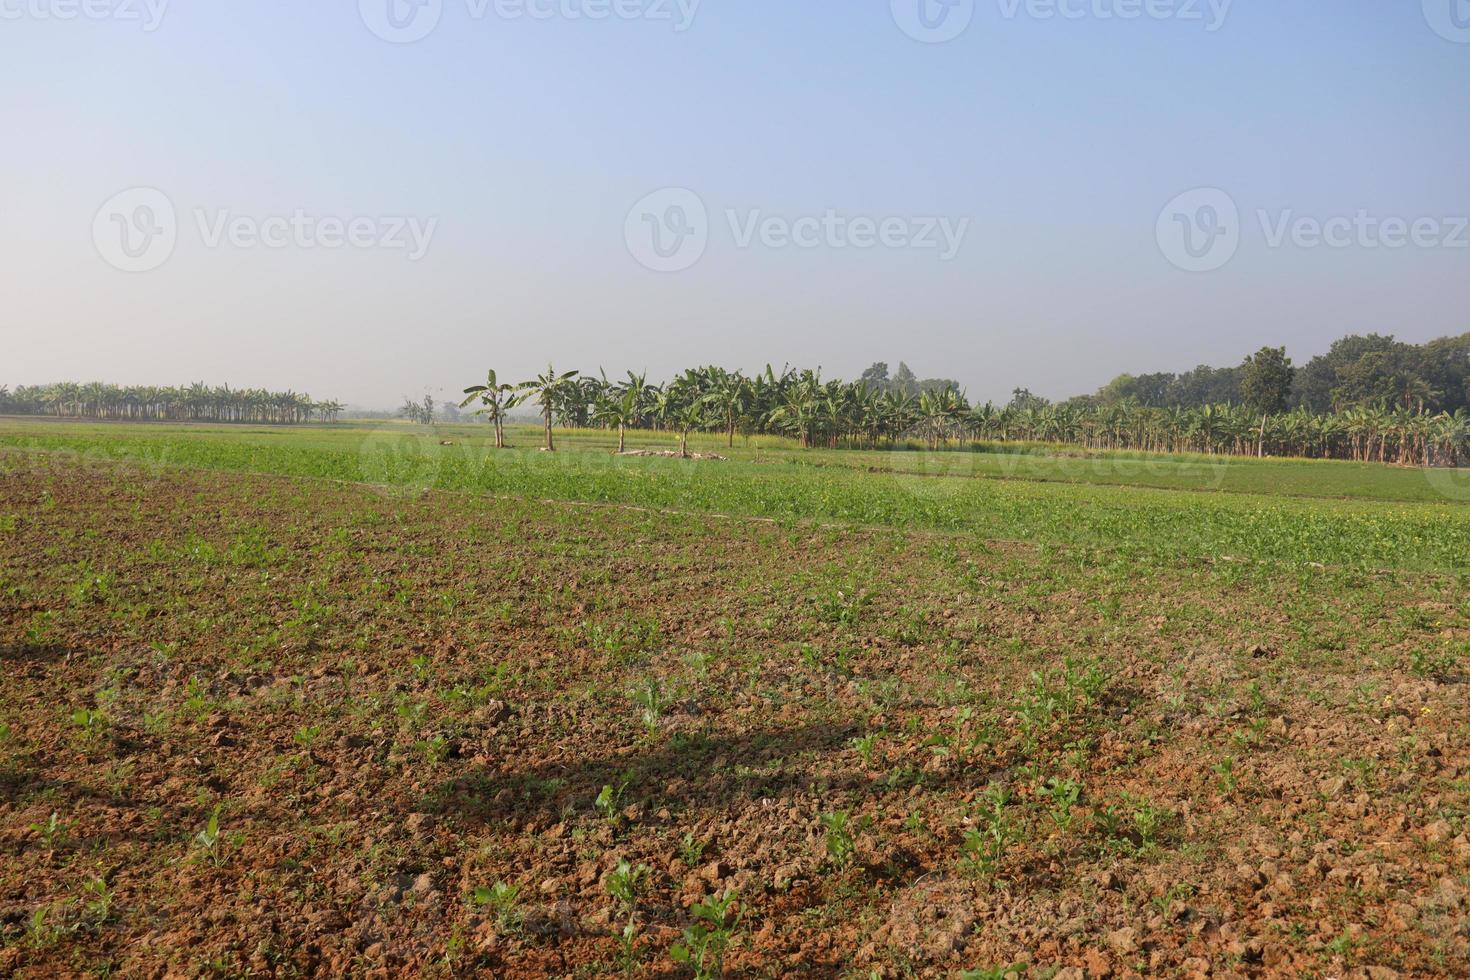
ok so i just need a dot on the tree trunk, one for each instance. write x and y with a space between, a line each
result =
550 446
620 437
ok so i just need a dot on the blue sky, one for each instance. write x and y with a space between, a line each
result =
527 141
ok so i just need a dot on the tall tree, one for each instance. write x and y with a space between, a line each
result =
496 399
548 389
1265 384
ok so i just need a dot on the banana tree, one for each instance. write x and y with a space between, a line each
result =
729 397
621 411
548 390
686 418
496 399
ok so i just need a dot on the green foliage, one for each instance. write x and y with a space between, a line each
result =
504 900
625 883
1063 795
842 833
93 722
650 698
212 844
609 801
53 832
1279 510
993 972
691 850
707 938
985 846
866 746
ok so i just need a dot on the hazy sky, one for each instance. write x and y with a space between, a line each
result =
498 164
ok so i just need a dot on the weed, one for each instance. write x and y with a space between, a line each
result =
609 801
625 884
866 746
93 722
691 850
985 846
1226 777
842 833
504 900
707 938
1063 794
210 842
53 832
649 697
434 750
993 972
1147 819
98 902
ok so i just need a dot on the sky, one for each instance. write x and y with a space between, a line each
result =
365 199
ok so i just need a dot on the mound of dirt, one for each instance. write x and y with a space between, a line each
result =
671 454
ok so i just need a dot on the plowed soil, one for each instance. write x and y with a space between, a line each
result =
902 754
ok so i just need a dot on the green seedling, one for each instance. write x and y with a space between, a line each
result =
691 850
53 832
842 833
866 746
985 846
707 938
1063 794
504 900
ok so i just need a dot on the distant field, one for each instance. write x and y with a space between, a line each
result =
1162 507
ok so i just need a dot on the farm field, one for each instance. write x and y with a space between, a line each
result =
1363 515
348 700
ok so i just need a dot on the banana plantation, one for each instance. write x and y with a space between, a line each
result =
836 414
138 403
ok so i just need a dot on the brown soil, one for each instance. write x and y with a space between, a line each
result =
394 702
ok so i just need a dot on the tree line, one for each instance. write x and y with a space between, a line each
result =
870 413
145 403
1358 372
